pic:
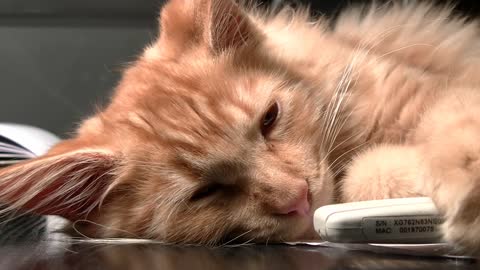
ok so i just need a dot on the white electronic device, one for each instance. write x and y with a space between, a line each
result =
400 221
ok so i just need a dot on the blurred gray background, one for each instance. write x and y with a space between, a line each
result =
61 58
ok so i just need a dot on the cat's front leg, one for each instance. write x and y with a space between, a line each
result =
449 174
442 162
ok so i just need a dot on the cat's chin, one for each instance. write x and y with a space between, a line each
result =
308 233
298 228
305 235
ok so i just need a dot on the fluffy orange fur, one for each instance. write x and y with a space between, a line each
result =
381 105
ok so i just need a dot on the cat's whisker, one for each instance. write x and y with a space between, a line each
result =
337 132
331 104
380 37
333 166
333 163
337 171
212 239
338 145
335 112
331 117
174 209
235 238
75 223
78 231
372 47
332 138
366 43
403 48
342 88
385 34
336 127
246 243
142 162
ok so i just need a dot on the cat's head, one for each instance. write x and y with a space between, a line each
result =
207 138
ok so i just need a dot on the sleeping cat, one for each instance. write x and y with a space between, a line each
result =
236 124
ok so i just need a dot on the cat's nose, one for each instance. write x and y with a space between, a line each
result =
297 205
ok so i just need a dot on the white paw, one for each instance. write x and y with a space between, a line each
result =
383 172
462 225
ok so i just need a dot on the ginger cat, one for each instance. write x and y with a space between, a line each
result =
238 124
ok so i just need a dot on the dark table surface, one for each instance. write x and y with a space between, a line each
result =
43 255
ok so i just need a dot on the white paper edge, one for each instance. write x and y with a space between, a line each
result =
36 140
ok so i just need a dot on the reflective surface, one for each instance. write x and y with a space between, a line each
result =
153 256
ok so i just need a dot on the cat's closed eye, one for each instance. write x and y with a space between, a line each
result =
206 191
269 119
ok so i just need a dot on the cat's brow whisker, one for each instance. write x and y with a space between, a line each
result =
383 35
403 48
386 33
379 38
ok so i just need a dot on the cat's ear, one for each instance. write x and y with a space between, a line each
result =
228 26
70 184
218 24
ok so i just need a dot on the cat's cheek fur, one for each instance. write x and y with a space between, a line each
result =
322 190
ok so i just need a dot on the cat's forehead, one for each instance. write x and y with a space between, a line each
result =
207 107
225 97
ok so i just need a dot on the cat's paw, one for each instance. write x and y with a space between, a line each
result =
383 172
453 159
460 203
462 225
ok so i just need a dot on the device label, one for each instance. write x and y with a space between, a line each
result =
402 227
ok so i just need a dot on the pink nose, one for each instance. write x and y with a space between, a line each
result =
296 206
